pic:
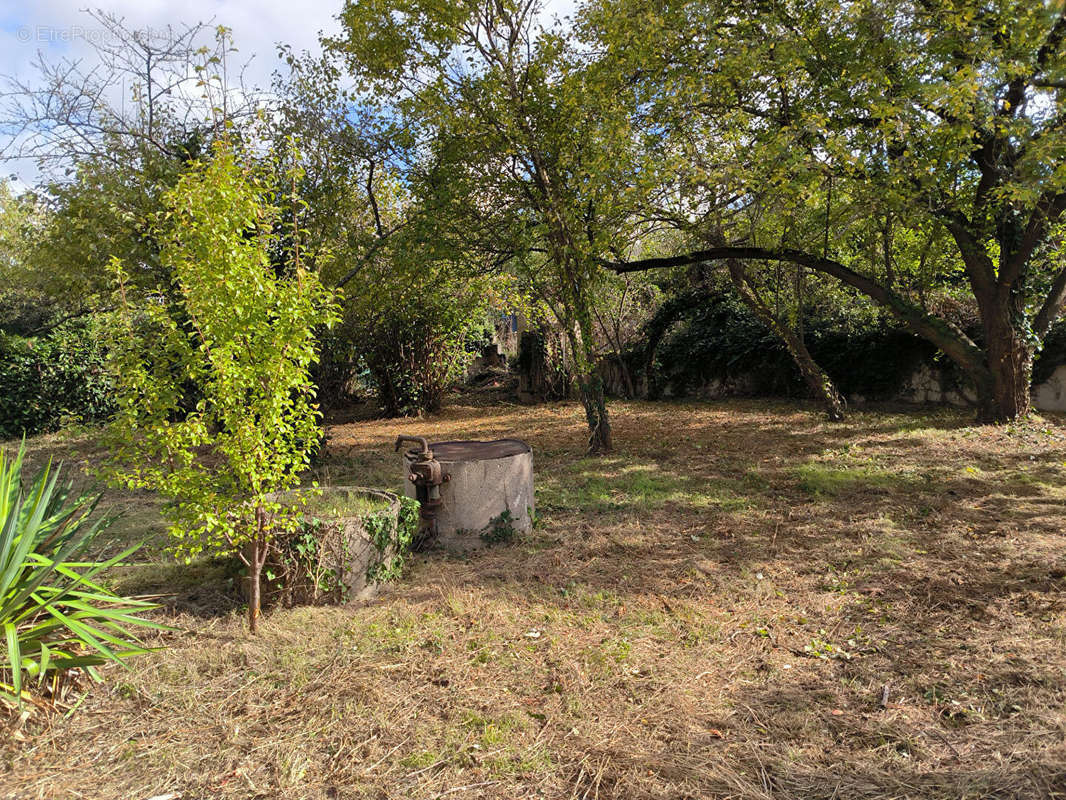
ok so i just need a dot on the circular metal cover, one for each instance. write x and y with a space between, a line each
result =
474 450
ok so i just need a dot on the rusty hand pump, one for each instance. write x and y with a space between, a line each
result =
427 477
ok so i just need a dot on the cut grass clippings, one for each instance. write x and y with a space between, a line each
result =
743 601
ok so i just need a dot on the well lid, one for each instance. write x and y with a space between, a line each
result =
473 450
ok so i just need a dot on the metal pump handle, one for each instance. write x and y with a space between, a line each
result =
419 440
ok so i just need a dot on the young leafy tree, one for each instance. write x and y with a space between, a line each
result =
216 407
521 150
931 113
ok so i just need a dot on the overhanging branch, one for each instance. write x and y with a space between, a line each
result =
945 335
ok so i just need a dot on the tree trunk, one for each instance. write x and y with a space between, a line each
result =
816 378
257 553
1004 395
589 380
592 398
627 376
254 573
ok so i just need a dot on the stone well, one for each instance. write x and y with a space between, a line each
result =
486 493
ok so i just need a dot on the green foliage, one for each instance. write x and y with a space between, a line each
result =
712 336
716 337
875 361
523 155
24 309
50 381
719 338
392 534
55 615
415 300
501 528
296 570
904 149
103 210
821 649
412 324
216 408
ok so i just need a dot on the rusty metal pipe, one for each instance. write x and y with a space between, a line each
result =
421 441
426 475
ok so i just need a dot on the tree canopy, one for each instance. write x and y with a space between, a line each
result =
931 114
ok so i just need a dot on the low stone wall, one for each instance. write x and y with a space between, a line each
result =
337 556
1051 394
927 384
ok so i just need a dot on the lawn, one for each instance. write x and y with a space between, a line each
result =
742 601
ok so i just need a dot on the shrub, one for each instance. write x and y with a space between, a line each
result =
717 337
54 614
415 326
52 380
414 358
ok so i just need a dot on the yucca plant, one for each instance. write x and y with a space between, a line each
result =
55 616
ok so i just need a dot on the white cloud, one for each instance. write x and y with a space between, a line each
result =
60 27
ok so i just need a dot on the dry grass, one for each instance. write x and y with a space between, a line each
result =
714 611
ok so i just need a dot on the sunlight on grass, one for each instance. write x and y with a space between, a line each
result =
598 485
825 480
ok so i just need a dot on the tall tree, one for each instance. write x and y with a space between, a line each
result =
521 149
940 114
414 296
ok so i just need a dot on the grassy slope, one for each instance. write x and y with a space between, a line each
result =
714 611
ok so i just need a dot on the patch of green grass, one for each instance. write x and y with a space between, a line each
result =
609 656
538 761
491 731
611 485
399 634
487 648
340 503
818 479
175 577
421 759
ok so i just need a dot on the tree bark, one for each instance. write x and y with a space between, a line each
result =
254 573
590 383
592 398
627 376
1010 363
816 378
257 558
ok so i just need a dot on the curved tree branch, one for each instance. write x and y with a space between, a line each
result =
946 336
